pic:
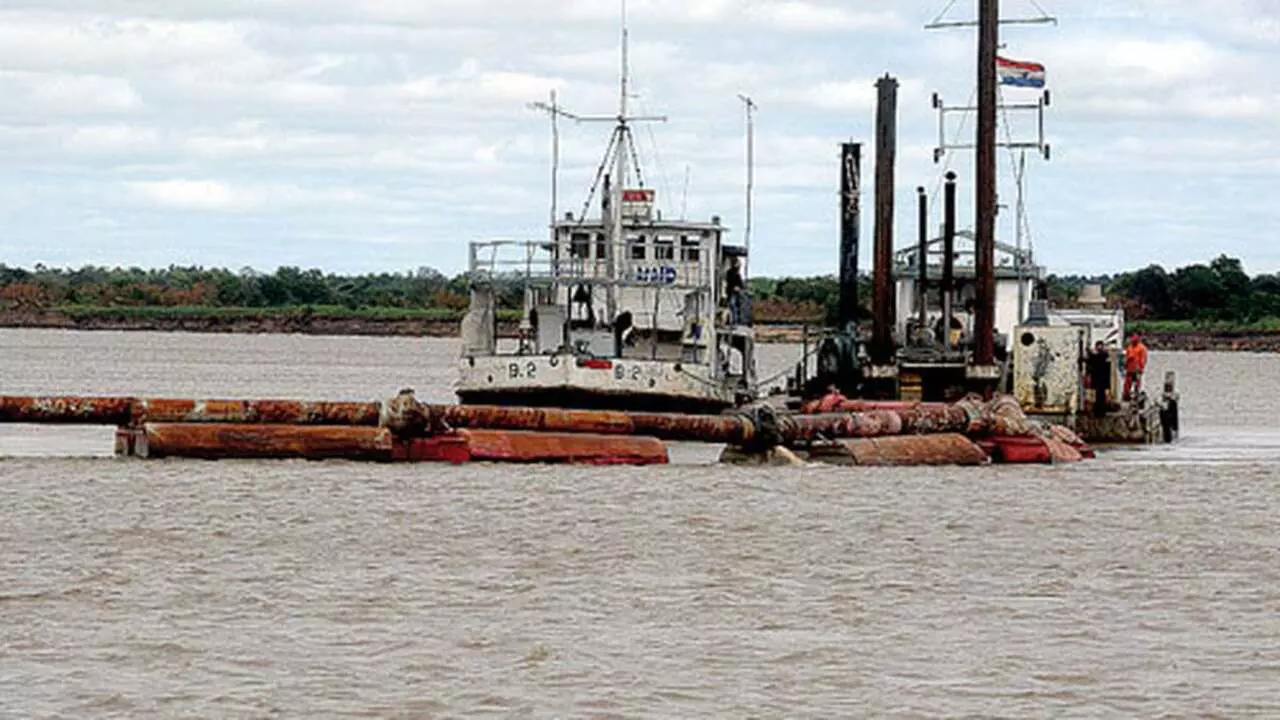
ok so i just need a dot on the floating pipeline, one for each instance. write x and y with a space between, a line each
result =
404 418
132 411
508 446
215 441
268 412
67 410
901 451
816 407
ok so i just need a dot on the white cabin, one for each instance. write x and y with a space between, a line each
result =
1016 279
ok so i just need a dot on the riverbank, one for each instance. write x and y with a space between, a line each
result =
443 323
409 323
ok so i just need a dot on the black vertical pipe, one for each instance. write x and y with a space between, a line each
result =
886 152
948 255
985 185
850 224
922 261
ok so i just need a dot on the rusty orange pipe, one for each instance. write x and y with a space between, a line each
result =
217 441
406 417
67 409
274 412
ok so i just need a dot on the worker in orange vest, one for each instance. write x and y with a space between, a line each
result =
1135 363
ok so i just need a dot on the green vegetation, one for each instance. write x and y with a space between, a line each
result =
1262 325
323 311
1217 297
1214 297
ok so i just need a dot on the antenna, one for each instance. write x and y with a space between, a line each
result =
1040 144
940 23
684 194
554 110
619 144
750 107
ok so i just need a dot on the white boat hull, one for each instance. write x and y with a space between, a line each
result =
566 381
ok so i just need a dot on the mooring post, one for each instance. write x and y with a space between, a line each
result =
922 262
886 153
948 255
985 186
850 224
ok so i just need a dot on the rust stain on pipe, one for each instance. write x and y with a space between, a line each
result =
273 412
216 441
404 417
66 409
665 426
903 451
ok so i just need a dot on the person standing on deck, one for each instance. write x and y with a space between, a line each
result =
1098 366
1135 363
734 286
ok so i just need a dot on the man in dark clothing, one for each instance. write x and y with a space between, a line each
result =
1098 365
734 287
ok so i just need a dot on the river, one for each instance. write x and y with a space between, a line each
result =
1145 583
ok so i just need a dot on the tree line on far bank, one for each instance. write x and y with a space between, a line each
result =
1220 291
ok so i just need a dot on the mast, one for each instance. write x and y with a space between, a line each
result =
985 184
750 106
554 110
1020 210
620 143
616 231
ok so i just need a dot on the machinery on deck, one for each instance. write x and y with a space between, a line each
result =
960 313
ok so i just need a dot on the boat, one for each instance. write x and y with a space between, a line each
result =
962 313
624 309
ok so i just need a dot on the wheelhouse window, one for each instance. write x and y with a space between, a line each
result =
689 249
637 248
580 245
664 249
602 248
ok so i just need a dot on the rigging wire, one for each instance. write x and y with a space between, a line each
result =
657 154
944 12
1043 12
595 184
955 138
1019 172
635 158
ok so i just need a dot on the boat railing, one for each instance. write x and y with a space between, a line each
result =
543 263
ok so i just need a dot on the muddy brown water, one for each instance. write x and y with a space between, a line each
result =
1146 583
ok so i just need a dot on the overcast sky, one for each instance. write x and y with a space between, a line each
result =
386 134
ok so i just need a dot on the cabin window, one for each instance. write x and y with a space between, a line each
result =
637 248
579 245
689 250
602 250
664 249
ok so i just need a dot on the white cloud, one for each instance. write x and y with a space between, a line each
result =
399 119
106 139
38 94
188 194
807 16
219 196
74 41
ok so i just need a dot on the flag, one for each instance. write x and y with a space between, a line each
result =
1020 74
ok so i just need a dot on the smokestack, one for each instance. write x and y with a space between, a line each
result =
949 255
883 310
850 224
922 260
985 185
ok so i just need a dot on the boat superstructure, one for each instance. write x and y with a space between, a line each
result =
622 309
